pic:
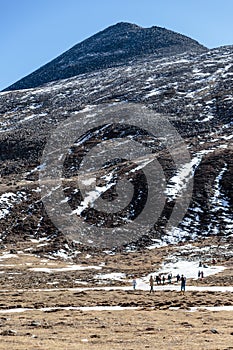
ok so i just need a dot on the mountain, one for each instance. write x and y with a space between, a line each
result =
193 90
111 47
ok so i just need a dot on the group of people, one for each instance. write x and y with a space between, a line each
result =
158 279
200 274
161 280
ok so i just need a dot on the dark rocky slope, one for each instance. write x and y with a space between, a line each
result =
194 91
111 47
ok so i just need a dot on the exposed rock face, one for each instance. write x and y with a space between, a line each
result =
111 47
194 91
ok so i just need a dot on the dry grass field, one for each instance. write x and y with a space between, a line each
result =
35 314
117 330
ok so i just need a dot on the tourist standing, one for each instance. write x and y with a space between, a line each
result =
169 277
151 284
183 283
163 279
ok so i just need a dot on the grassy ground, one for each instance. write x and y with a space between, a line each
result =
117 330
152 326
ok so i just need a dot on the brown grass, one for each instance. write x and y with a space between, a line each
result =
118 330
152 326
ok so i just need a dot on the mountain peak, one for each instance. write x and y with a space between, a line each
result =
113 46
124 25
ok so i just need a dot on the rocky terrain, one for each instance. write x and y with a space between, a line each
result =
193 91
57 292
117 45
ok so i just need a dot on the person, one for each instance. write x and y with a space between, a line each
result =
200 264
202 274
199 274
177 278
213 261
151 284
183 283
163 278
169 277
134 283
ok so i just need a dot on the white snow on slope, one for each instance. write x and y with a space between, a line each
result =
180 180
8 200
217 199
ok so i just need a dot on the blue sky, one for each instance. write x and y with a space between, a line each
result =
33 32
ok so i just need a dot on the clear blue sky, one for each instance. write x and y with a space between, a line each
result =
33 32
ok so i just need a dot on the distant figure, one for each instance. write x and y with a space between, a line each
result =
169 277
134 283
163 279
213 261
202 274
158 279
151 284
183 283
199 274
178 278
200 264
